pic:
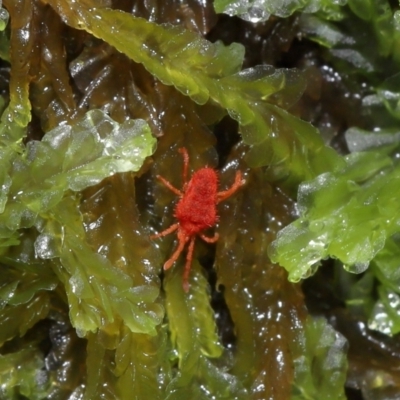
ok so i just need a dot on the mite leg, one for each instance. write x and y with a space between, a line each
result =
221 196
209 239
181 244
189 258
169 186
166 232
185 155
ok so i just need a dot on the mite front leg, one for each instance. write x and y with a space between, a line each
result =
169 186
185 156
221 196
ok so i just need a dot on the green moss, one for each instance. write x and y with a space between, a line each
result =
85 307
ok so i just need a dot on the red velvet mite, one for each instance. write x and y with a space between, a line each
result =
195 211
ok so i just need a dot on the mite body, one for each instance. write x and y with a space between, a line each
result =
195 211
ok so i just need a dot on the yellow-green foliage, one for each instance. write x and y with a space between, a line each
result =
86 310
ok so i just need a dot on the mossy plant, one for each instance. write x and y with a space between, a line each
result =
97 97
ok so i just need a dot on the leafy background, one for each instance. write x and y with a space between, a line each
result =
299 299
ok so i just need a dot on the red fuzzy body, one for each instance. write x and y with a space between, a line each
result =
196 210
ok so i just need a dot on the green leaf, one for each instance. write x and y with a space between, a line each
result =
199 327
210 72
16 320
389 94
193 335
385 314
25 286
139 361
346 215
256 11
24 276
320 372
67 158
4 18
71 158
380 16
351 39
21 374
175 56
135 366
100 295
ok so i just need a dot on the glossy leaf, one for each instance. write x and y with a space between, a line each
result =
294 146
99 294
20 374
321 370
348 216
194 337
68 158
256 11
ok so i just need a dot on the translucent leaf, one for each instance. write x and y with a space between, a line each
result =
69 158
133 365
23 275
350 37
267 311
24 286
325 32
22 38
99 363
347 215
260 10
6 157
193 335
379 14
16 320
187 61
385 314
200 328
4 16
139 361
211 382
360 140
92 149
99 294
21 374
389 94
163 49
73 158
320 373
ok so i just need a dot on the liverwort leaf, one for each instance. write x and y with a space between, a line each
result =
68 158
261 10
22 46
206 71
139 366
320 372
201 323
385 313
378 25
100 295
194 337
132 364
16 320
21 374
346 215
